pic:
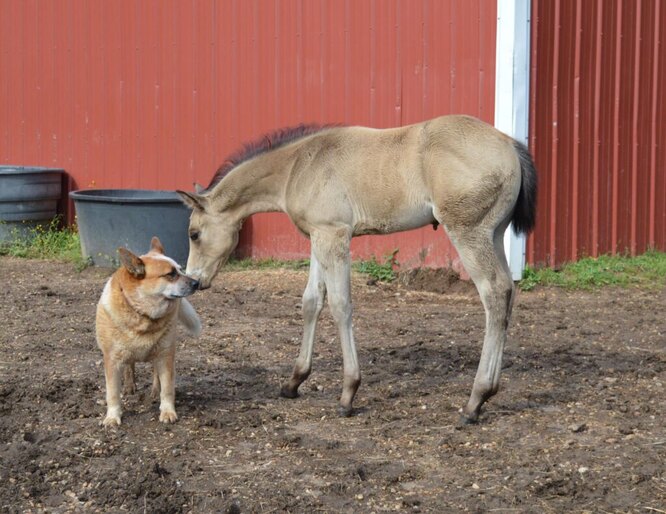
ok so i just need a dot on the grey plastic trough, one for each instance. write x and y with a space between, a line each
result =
111 218
28 197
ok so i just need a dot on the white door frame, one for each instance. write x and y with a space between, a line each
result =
512 96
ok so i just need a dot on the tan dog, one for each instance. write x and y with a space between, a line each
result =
136 320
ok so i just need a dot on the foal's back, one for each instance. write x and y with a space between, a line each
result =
387 180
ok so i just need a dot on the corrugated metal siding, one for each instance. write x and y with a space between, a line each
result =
597 127
154 94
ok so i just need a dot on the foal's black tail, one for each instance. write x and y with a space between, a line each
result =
524 213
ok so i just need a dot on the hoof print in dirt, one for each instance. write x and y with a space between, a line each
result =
234 508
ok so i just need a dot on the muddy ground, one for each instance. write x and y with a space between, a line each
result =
578 425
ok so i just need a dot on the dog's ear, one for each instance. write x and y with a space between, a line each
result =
156 245
193 200
132 263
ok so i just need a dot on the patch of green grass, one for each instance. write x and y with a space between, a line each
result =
382 272
46 242
648 269
270 263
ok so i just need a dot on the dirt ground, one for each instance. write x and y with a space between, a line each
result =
578 424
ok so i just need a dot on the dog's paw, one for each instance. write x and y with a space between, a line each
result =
168 416
111 421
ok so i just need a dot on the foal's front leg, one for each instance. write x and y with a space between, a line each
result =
332 251
313 301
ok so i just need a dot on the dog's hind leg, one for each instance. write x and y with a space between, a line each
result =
129 381
155 389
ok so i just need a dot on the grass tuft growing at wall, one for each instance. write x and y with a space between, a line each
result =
648 270
380 271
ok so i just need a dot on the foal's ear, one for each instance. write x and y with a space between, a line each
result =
156 245
198 188
193 200
132 263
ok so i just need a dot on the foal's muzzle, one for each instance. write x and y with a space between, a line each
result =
201 285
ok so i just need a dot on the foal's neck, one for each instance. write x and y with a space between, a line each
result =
253 186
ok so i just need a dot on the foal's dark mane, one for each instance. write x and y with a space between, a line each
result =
265 143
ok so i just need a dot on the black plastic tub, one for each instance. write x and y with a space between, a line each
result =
29 197
111 218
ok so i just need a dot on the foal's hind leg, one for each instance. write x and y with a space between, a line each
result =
313 301
484 260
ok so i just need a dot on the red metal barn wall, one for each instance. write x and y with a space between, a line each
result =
598 127
154 94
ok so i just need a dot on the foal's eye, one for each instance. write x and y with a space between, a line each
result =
194 236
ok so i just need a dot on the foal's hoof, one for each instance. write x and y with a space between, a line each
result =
465 421
289 392
468 419
345 412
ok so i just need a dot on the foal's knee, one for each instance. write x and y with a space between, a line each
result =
313 301
309 305
341 308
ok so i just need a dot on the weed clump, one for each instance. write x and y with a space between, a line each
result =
49 241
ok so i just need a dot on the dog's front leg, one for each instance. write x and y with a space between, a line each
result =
112 375
165 366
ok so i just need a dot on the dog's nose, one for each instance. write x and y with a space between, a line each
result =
195 284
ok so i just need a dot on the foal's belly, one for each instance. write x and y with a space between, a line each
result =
406 219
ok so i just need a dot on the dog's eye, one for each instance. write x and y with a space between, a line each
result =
172 274
194 236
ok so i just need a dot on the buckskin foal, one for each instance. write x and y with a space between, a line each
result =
339 182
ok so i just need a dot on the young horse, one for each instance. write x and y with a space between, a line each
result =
339 182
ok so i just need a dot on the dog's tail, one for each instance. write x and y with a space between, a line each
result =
189 318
